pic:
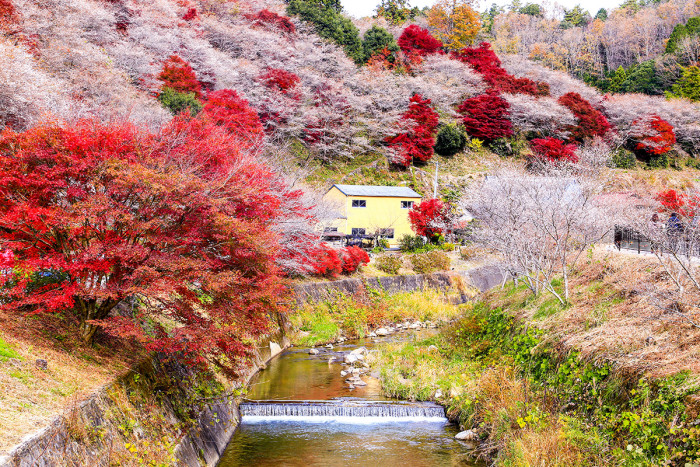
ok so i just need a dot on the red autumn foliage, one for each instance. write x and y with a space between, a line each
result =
416 143
329 262
227 109
8 14
282 23
553 150
591 122
326 261
485 62
190 15
177 74
353 257
281 80
430 218
110 212
654 136
486 116
417 40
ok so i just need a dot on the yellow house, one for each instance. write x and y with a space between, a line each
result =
373 210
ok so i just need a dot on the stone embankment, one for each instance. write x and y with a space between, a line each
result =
163 410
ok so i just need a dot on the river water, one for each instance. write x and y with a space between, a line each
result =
297 376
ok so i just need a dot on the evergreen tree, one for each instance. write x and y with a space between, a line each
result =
602 14
395 11
617 79
377 39
532 9
642 78
330 24
577 16
689 85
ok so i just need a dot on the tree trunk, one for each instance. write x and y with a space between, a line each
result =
92 310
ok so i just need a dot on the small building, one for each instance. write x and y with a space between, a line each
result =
377 211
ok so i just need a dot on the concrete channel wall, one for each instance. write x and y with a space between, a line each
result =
127 418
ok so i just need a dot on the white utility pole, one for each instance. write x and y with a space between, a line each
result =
435 185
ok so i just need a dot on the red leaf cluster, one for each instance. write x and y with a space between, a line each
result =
177 74
190 15
654 135
685 205
353 257
281 80
227 109
417 40
486 116
430 218
329 262
591 122
416 143
553 150
485 62
266 17
8 14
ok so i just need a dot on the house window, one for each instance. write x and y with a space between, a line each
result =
386 233
358 231
330 229
359 203
406 204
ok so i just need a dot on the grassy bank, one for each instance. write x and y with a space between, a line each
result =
502 370
356 315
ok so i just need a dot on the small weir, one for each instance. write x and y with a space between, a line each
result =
345 411
301 412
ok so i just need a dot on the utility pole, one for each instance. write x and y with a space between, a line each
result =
435 185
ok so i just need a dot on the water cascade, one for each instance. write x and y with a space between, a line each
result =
342 410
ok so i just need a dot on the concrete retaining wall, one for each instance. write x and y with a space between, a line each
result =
149 402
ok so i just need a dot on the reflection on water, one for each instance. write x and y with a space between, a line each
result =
409 444
296 375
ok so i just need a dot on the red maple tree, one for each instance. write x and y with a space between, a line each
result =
417 40
553 150
267 17
486 116
430 218
229 110
182 220
281 80
417 142
485 62
653 135
190 14
178 75
591 122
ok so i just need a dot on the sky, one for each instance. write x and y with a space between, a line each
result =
360 8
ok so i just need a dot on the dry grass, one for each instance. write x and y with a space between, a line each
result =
612 318
651 181
30 397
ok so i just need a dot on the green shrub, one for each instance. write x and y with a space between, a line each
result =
448 247
176 101
658 162
451 139
624 159
508 147
424 263
389 264
411 243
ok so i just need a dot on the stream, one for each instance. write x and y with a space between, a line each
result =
300 412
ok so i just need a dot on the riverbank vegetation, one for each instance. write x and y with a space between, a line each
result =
370 308
601 381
